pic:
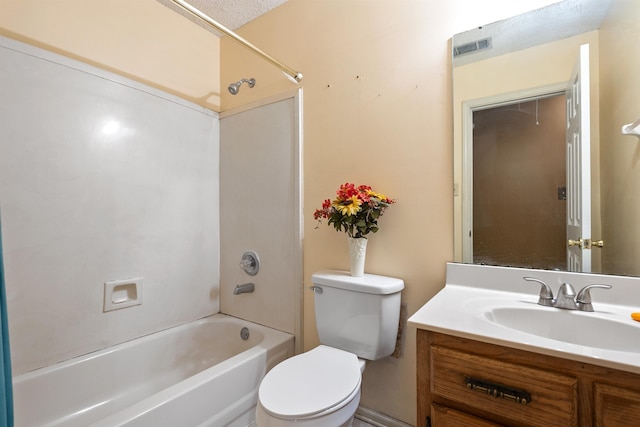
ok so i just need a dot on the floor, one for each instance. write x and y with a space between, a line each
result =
360 423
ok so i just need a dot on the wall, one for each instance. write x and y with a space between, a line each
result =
84 202
620 153
520 71
141 39
260 210
377 111
375 115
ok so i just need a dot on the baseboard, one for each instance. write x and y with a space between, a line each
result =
378 419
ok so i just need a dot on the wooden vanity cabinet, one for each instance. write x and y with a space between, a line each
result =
463 383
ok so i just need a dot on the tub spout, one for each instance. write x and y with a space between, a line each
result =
244 288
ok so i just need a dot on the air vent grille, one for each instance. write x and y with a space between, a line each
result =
472 47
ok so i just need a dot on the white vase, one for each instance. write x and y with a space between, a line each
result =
357 253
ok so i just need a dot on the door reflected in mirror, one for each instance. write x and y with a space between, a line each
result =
519 175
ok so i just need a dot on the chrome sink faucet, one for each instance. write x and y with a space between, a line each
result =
567 297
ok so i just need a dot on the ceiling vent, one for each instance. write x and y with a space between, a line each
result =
472 47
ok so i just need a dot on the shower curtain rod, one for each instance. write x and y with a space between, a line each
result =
294 76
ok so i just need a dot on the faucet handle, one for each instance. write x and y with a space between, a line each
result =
583 300
546 294
250 263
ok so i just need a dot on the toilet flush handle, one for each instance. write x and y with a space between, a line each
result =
316 289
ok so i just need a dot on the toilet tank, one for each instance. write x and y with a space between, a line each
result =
357 314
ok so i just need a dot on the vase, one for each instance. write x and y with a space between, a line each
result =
357 253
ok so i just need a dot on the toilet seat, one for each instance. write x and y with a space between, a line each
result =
311 384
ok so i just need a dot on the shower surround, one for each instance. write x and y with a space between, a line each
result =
261 210
101 179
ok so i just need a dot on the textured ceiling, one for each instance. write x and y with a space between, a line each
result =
554 22
230 13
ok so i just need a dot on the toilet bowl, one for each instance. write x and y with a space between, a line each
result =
318 388
357 318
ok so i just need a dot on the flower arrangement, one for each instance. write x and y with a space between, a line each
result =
355 210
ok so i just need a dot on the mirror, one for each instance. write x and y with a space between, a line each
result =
517 63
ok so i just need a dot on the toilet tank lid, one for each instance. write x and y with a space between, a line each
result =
369 283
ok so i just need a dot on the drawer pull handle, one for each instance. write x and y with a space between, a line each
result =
498 390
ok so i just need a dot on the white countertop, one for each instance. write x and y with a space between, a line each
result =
460 309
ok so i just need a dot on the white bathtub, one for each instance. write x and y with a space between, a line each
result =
199 374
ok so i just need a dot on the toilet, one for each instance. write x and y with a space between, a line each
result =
357 320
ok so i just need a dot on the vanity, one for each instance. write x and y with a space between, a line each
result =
494 348
488 354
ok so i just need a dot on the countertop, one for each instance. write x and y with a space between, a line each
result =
460 309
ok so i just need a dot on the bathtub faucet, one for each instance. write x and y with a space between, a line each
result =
244 288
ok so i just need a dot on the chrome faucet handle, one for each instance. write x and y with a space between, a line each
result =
546 294
583 300
250 263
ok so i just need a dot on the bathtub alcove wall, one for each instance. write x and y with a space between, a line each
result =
260 210
103 178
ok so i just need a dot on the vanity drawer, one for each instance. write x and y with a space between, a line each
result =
441 416
553 397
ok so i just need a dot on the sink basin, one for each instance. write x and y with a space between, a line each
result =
486 304
574 327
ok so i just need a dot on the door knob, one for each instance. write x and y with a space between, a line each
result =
589 244
577 243
586 244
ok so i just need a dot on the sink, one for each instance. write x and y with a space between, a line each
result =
494 305
569 326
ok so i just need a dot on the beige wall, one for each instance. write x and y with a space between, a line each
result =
620 105
377 111
139 39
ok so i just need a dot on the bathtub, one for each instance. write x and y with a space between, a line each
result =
199 374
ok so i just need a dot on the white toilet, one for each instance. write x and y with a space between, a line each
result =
357 318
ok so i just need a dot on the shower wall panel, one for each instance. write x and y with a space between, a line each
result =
260 177
101 178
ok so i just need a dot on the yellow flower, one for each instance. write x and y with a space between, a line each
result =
350 206
371 193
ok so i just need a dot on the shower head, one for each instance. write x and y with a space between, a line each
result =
234 88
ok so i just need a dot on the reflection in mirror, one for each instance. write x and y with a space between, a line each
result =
500 223
518 156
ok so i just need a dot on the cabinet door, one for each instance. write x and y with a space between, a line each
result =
616 406
441 416
553 398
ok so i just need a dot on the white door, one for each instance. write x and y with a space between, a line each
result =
579 166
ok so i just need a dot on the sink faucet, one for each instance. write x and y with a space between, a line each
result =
244 288
567 297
